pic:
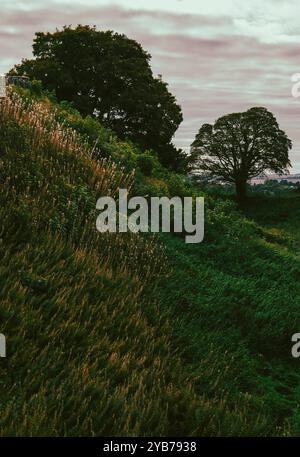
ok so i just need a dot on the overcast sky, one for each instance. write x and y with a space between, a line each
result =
218 56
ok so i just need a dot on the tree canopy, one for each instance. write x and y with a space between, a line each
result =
108 75
240 146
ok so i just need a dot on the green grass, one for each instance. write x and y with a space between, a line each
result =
130 335
86 353
235 304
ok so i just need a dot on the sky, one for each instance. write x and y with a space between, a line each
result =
218 56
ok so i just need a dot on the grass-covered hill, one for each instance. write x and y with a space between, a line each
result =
135 335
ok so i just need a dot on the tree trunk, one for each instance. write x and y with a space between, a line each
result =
241 190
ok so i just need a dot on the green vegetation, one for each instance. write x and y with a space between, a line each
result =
108 75
131 335
235 314
241 146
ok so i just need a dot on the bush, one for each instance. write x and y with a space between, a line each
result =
146 162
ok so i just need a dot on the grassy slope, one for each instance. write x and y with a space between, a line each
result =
86 353
96 346
236 313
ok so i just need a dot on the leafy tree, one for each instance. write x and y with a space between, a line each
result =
240 146
107 75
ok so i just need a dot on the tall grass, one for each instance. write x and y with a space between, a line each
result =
85 353
94 346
